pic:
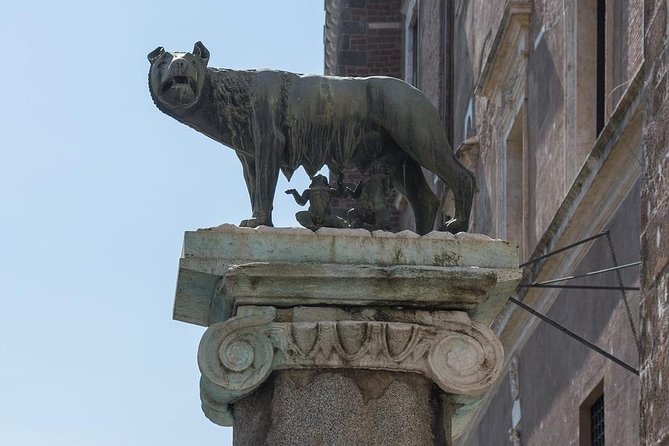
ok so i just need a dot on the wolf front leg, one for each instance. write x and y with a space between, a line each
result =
269 144
249 166
249 169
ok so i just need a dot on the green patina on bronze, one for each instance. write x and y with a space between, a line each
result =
279 121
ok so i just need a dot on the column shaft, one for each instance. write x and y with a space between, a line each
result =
342 408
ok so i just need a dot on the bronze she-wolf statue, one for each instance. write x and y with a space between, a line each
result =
276 120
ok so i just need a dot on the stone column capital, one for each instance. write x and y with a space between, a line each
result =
459 355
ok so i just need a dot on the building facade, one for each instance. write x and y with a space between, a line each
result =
655 229
548 103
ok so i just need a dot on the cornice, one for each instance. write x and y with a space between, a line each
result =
510 37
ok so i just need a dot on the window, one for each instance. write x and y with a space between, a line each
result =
411 39
590 75
593 68
597 422
591 418
601 66
414 51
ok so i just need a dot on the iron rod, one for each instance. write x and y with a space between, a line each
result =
628 310
581 287
531 261
574 335
592 273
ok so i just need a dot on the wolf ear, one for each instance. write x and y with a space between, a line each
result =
155 54
201 51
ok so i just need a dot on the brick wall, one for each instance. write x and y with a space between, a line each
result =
655 231
369 39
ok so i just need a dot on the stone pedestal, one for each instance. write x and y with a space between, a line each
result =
344 337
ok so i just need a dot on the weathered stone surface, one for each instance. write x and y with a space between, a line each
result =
416 308
655 364
349 408
290 284
229 266
460 356
348 246
655 231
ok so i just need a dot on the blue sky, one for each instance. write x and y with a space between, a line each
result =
96 189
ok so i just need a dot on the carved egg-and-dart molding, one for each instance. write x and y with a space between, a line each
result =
236 356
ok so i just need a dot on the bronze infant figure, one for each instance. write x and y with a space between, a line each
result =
318 195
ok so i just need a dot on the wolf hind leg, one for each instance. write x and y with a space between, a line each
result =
409 180
463 185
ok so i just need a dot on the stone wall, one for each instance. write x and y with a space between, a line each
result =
474 24
556 374
655 231
554 90
518 73
627 48
546 102
430 50
557 75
